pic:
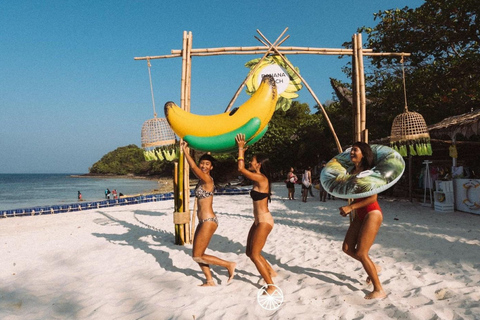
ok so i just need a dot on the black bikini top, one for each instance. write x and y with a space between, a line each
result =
257 196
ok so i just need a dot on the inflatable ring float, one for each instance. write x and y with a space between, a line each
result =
469 203
337 181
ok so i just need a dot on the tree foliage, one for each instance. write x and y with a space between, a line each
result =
129 160
295 137
443 71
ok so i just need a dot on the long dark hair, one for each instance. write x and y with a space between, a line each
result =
368 157
265 170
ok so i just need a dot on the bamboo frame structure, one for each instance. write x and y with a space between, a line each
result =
181 179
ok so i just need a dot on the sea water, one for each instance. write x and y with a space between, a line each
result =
18 191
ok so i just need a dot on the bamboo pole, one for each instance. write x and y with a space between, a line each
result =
355 94
263 48
339 147
179 199
333 53
361 81
186 172
175 202
252 71
283 50
184 71
158 57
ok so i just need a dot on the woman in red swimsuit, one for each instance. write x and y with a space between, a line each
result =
258 173
366 223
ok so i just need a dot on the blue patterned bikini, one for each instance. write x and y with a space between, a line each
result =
201 193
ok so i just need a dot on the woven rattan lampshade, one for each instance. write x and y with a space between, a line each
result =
156 132
408 126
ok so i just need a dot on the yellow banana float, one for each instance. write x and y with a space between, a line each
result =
216 132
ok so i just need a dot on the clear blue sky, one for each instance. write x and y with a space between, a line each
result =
71 91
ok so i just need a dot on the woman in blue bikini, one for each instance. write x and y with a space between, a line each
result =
366 223
258 173
207 221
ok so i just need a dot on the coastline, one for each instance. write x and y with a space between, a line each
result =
119 176
165 183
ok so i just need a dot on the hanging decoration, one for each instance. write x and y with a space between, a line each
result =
287 81
157 133
168 153
409 135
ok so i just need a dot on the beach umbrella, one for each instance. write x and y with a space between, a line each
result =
409 135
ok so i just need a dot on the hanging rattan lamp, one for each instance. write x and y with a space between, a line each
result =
156 132
409 134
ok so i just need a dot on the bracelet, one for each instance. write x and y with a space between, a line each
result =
240 158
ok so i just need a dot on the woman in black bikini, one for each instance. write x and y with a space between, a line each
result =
364 227
207 221
259 174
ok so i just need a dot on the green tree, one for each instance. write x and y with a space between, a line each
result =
443 71
129 160
295 137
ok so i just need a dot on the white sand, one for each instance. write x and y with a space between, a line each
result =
121 263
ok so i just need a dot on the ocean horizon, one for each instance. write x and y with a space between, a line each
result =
26 190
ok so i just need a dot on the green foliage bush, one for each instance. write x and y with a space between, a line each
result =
130 160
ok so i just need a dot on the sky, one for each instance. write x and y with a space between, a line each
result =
71 91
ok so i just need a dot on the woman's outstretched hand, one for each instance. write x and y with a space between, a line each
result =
344 211
184 145
240 139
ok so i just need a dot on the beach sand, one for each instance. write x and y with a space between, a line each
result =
122 263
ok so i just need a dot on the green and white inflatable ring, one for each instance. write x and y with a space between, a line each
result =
337 181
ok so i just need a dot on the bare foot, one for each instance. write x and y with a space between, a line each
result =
376 295
378 268
209 283
271 289
231 271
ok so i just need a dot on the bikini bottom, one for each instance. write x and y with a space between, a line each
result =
264 217
361 213
214 219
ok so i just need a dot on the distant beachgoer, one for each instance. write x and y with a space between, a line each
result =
79 195
114 194
306 183
207 221
364 227
259 173
291 180
107 193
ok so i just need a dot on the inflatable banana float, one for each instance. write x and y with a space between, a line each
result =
216 133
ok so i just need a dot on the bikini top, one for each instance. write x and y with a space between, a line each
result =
201 193
257 196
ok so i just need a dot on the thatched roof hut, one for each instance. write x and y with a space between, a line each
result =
467 124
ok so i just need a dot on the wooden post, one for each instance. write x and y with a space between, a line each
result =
179 199
361 84
186 173
355 92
